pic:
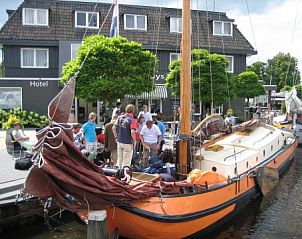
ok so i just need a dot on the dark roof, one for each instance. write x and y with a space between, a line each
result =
62 26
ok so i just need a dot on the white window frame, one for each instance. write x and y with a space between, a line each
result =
174 53
232 61
35 17
135 22
21 92
87 20
71 49
178 24
35 56
222 28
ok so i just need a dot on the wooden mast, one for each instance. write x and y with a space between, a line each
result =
185 88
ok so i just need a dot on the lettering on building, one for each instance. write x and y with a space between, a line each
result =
38 84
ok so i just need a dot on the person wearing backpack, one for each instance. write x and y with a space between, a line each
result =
124 131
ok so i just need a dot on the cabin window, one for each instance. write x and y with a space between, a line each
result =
257 159
74 50
87 19
230 66
174 56
135 22
278 142
247 164
221 28
272 147
263 153
175 25
32 16
34 58
235 170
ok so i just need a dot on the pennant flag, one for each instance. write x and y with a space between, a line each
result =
114 26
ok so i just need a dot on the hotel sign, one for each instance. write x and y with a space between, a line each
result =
38 84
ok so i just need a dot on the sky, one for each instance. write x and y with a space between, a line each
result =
271 26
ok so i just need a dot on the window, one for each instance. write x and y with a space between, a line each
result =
175 25
74 50
174 56
10 97
87 19
34 58
135 22
31 16
222 28
230 67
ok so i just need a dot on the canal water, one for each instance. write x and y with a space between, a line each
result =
276 216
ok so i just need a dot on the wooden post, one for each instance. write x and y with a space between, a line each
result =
97 225
185 88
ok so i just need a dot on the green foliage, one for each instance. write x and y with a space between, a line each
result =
203 63
247 85
281 70
289 88
2 71
259 68
32 119
114 68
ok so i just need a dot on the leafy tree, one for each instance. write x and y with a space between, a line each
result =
247 85
114 67
283 70
202 61
259 68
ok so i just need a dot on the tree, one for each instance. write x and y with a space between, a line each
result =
247 85
259 68
283 70
114 68
202 76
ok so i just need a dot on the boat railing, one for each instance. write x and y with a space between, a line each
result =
257 141
235 154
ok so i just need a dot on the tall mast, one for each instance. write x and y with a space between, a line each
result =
185 88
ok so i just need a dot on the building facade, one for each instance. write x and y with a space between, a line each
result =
40 36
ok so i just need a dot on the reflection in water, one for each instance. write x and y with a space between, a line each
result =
278 215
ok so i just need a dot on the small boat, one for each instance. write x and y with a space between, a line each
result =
216 179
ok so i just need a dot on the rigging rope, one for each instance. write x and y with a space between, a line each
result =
211 75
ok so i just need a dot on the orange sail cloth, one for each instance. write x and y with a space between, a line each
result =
197 176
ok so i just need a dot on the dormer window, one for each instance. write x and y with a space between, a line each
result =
221 28
86 19
35 17
135 22
175 25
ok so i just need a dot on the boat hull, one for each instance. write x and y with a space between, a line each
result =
191 215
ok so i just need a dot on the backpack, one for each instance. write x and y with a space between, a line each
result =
24 163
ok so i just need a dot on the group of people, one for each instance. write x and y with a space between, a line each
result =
125 136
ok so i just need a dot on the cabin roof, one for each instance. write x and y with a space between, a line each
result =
62 26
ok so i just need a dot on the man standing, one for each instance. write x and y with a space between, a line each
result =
124 131
89 133
146 113
110 142
117 109
151 138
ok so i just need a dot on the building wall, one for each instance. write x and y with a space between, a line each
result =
12 63
36 93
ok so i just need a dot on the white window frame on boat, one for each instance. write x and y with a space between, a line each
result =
35 17
174 54
35 65
87 20
74 47
222 28
135 22
230 67
176 25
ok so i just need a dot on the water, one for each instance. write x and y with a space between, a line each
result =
278 215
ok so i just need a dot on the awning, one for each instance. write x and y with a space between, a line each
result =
159 92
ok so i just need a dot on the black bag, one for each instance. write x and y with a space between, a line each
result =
24 163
